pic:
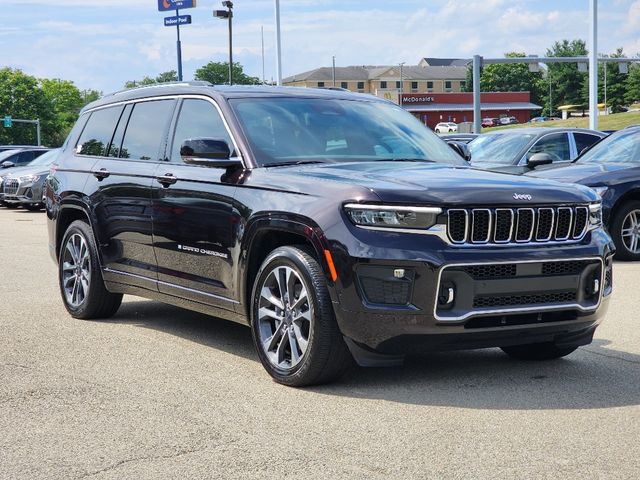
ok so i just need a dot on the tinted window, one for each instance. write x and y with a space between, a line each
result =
116 143
146 129
24 157
620 147
98 132
198 119
331 130
584 140
556 145
502 148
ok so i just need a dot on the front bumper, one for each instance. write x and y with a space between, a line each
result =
555 293
24 193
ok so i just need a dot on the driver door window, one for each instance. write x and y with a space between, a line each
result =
198 119
555 144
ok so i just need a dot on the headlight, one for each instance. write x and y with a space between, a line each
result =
600 190
392 217
595 215
29 178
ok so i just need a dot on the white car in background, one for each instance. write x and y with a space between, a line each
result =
446 127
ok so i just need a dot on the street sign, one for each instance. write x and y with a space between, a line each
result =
178 20
8 122
166 5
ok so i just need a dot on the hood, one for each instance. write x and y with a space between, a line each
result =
21 171
585 173
432 183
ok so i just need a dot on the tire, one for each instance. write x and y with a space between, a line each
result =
538 351
33 207
623 231
11 206
437 130
276 324
80 276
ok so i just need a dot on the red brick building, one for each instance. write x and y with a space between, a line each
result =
433 108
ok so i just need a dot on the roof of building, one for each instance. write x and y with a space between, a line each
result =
374 72
467 107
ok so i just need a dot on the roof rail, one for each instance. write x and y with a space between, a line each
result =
193 83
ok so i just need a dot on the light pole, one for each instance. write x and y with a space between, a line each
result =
593 64
401 82
228 14
333 72
278 45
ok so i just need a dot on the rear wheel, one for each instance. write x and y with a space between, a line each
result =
625 230
293 325
81 284
538 351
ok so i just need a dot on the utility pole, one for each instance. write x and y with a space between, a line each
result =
262 35
334 71
593 64
179 47
228 14
477 120
278 44
401 83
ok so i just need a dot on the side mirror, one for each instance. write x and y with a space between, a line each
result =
461 149
8 164
208 152
538 159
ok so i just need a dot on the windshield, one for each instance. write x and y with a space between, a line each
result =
7 153
296 130
46 158
502 148
620 147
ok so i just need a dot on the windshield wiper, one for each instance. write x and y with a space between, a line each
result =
300 162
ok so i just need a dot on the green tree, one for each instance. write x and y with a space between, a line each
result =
164 77
632 90
616 83
66 101
513 77
566 80
217 73
21 97
89 96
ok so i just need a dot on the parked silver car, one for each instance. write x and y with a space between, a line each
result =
24 186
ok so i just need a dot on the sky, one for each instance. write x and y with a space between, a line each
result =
100 44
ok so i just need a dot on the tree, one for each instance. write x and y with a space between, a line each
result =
164 77
514 77
632 93
65 101
217 73
21 97
615 81
89 96
566 80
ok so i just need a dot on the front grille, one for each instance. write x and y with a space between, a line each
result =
510 270
517 225
516 300
10 186
484 272
386 292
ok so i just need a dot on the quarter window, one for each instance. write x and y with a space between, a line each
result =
97 133
198 119
146 129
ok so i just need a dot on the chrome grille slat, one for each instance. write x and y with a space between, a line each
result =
10 186
505 226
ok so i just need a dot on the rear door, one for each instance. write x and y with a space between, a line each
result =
121 186
195 220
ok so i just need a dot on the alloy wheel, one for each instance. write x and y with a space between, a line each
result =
76 270
284 317
631 231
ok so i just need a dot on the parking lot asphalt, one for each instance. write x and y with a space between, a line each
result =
158 392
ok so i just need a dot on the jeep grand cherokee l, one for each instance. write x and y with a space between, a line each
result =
334 224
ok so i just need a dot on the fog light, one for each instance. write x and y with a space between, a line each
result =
596 286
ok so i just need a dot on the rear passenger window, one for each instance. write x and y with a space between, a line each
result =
146 130
97 133
198 119
584 140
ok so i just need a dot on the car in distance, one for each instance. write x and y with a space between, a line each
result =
612 169
508 120
333 224
520 150
459 137
490 122
446 127
20 156
25 186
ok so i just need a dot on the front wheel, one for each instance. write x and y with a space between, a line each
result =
292 321
538 351
625 230
81 284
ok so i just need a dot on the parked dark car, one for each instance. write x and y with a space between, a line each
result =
519 150
20 156
333 223
612 168
25 186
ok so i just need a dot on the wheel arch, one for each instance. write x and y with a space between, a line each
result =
70 211
630 195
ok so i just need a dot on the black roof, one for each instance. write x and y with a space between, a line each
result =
225 91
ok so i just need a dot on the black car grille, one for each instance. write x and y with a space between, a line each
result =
517 225
10 186
522 300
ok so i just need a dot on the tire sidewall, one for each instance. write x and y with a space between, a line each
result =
622 253
290 257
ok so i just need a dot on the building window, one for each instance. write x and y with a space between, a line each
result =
383 84
414 87
320 84
398 85
360 86
344 85
430 85
447 85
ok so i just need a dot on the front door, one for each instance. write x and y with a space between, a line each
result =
194 228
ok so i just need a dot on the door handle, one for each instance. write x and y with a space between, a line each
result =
167 179
101 174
